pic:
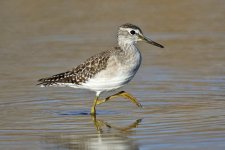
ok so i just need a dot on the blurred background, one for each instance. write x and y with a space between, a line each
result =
182 87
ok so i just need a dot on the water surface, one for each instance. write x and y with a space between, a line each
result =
181 87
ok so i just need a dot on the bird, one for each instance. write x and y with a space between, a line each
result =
108 70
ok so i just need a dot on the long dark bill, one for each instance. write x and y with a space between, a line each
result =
150 41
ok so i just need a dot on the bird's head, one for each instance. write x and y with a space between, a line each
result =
129 33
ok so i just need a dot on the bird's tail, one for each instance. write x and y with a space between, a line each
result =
55 79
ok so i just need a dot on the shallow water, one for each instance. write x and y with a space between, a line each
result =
181 87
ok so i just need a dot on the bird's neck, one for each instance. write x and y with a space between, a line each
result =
127 45
130 56
129 51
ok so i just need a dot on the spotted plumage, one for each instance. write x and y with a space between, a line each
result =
108 70
83 72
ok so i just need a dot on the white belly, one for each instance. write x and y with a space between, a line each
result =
100 83
115 75
120 69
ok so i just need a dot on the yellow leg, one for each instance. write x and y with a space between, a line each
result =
98 123
93 110
123 94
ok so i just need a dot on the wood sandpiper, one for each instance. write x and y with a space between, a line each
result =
108 70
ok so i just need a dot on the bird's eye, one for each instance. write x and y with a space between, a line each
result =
132 32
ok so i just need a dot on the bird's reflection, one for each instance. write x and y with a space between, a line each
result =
98 141
99 124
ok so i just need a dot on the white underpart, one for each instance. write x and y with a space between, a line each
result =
114 76
117 73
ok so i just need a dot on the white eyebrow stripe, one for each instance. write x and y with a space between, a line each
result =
129 29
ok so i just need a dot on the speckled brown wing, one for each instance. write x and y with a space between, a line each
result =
81 73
